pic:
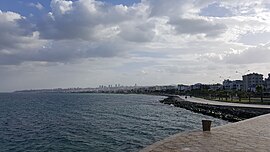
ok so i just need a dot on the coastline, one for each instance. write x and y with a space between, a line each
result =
228 113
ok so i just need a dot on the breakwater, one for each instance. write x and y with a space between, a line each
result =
229 113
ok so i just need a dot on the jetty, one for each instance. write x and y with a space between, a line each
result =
232 112
249 135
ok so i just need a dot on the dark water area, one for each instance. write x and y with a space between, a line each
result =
89 122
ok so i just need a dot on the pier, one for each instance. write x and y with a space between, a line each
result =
249 135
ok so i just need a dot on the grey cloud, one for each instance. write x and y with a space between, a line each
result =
259 54
17 38
176 8
72 31
80 19
197 26
142 32
14 31
10 59
175 69
68 20
65 51
165 8
254 38
94 29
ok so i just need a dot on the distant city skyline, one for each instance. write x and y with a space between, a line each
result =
87 43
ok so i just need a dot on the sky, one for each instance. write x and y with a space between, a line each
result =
87 43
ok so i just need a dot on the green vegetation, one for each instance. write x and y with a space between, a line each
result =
235 96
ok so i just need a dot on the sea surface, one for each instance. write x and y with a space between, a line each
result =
89 122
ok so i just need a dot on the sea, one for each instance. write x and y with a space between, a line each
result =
67 122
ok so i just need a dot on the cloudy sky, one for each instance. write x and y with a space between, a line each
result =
86 43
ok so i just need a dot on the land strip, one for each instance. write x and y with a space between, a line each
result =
232 112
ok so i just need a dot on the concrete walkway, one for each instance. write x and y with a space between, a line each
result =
252 135
204 101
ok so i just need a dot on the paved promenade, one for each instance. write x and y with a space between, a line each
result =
204 101
251 135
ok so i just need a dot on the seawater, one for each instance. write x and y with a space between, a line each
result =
89 122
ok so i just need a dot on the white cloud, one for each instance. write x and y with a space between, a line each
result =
81 19
89 29
60 7
10 16
16 33
174 8
258 54
37 5
240 7
198 26
137 32
151 38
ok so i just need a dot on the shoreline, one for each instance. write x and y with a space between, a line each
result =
228 113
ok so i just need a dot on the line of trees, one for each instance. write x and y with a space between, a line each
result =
228 95
221 94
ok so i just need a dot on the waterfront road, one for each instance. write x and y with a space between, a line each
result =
204 101
251 135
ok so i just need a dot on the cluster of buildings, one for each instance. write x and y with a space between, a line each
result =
249 82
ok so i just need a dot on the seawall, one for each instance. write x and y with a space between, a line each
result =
229 113
249 135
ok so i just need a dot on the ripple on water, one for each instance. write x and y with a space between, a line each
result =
89 122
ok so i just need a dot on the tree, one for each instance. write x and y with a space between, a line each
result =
249 96
231 94
240 95
259 89
219 93
222 94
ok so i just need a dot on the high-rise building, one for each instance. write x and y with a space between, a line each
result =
251 81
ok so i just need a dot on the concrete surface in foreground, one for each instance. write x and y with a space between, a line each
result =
250 135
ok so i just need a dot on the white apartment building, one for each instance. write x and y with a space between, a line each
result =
182 87
215 87
232 84
251 81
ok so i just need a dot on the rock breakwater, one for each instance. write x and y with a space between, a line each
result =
229 113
